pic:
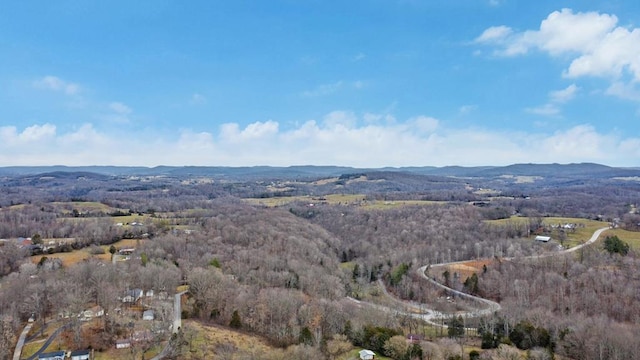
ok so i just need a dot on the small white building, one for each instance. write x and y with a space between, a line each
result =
148 315
367 355
123 344
94 312
543 238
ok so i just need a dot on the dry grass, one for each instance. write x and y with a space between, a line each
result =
84 206
71 258
467 268
127 354
209 342
581 234
383 205
335 199
630 237
76 256
339 199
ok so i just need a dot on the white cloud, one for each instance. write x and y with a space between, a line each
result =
467 109
120 108
342 138
56 84
358 57
328 89
494 34
624 90
85 135
374 118
197 99
564 95
119 113
424 124
231 132
31 135
593 43
557 97
322 90
544 110
340 119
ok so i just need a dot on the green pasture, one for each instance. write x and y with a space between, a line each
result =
581 233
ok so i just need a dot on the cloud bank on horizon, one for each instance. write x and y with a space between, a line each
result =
304 84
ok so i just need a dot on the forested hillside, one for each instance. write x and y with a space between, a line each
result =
289 272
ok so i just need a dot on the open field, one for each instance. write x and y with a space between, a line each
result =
467 269
630 237
84 206
329 199
339 199
383 205
580 234
76 256
212 342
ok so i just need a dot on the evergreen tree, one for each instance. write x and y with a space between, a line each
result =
235 320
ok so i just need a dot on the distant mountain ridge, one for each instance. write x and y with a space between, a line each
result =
305 171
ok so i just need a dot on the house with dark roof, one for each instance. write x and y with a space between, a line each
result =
81 355
131 296
55 355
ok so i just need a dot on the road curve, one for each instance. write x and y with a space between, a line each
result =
430 315
18 350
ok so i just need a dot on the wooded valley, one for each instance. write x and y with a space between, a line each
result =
317 265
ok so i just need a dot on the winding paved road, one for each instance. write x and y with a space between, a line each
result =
18 350
430 316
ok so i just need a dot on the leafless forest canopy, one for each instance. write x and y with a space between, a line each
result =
285 272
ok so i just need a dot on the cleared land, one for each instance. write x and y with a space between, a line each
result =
76 256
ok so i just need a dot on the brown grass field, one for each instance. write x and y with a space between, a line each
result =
339 199
76 256
210 341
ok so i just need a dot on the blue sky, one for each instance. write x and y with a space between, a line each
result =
308 82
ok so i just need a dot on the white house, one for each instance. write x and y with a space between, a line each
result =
80 355
543 238
123 344
94 312
367 355
148 315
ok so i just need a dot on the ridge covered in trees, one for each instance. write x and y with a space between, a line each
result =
288 270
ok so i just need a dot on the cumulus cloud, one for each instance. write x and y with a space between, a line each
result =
231 132
118 113
564 95
31 135
340 138
56 84
495 34
595 44
556 98
424 124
